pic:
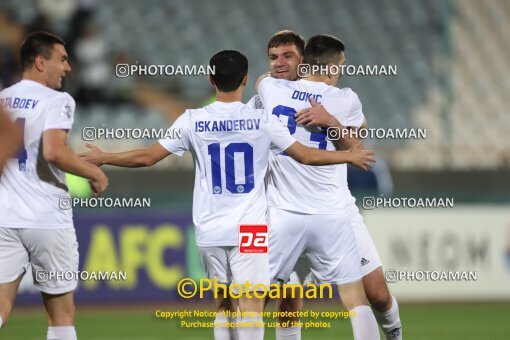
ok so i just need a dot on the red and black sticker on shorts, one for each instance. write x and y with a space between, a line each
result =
253 238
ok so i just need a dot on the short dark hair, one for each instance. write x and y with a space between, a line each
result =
37 44
287 37
230 68
323 49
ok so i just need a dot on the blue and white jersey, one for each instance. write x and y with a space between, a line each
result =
230 143
31 188
304 188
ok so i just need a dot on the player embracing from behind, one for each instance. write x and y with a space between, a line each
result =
230 143
383 304
33 228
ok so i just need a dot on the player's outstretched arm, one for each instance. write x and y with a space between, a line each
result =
356 156
129 159
57 152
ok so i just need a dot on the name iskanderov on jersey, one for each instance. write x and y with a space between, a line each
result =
227 125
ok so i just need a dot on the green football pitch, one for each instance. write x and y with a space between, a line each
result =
421 322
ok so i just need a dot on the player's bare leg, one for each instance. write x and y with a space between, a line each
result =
225 309
252 323
8 293
384 305
289 304
364 325
60 314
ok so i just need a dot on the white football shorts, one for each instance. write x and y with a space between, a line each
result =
229 266
327 241
369 257
50 252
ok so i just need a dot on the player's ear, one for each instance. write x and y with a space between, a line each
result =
211 81
331 71
342 58
245 80
39 63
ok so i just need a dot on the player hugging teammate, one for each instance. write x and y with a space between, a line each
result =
312 214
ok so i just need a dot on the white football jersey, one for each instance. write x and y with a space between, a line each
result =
304 188
230 143
31 189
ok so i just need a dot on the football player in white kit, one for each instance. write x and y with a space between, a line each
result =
383 304
230 143
285 52
33 229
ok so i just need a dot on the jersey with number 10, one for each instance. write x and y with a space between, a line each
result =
303 188
230 143
31 189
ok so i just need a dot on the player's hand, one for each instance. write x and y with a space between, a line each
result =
316 115
361 158
100 183
93 155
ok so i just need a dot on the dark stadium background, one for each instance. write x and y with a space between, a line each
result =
453 62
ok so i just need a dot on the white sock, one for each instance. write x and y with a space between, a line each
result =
1 322
221 331
61 333
390 321
364 325
234 333
250 328
289 333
